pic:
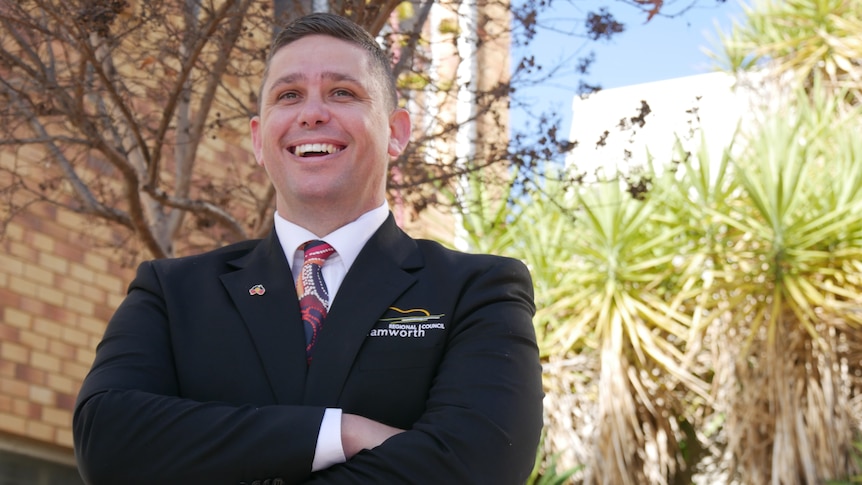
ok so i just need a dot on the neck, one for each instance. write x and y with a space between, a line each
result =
322 220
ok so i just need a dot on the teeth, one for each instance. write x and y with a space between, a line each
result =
301 150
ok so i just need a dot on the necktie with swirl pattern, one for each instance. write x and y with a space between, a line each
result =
312 292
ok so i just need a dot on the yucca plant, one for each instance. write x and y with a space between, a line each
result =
543 237
546 471
620 301
536 227
744 273
617 281
697 191
788 286
802 38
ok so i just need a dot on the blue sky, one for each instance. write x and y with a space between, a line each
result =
662 48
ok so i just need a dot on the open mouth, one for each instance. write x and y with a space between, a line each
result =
315 149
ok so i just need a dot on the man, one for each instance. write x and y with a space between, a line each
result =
425 369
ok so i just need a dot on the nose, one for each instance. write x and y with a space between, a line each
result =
314 113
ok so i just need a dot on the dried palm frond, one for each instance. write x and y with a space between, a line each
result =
793 279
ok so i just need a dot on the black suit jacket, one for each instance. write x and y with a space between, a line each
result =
198 380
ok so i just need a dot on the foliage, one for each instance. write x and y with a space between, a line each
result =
807 38
707 329
628 295
604 267
712 319
800 258
857 458
546 472
136 112
789 286
698 321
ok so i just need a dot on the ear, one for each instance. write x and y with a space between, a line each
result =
399 131
256 141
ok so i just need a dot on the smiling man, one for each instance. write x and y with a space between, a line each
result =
338 349
327 127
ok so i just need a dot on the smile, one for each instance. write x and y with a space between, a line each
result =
315 149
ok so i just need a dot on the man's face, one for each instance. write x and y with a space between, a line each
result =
325 133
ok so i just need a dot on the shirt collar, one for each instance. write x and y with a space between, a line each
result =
348 240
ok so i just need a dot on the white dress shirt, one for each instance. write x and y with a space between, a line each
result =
348 241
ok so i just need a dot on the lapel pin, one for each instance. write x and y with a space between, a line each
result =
256 290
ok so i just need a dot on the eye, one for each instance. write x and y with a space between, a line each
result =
287 95
342 93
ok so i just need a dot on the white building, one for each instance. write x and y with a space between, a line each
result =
682 107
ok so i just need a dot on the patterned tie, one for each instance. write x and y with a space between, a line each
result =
312 292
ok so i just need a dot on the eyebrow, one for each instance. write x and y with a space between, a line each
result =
329 75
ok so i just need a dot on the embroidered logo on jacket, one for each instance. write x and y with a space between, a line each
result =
409 323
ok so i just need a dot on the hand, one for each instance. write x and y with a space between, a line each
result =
359 433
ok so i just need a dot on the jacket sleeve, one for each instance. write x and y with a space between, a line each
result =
483 417
132 427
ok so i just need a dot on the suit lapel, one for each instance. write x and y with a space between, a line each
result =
377 278
272 318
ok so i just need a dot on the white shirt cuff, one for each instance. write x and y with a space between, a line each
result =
329 450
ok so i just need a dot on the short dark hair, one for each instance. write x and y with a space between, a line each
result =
336 26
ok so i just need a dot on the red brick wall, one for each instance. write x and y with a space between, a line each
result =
57 291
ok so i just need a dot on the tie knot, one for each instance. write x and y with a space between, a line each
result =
316 251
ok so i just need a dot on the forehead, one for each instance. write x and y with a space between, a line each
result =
315 54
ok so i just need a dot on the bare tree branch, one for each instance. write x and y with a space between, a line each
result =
408 49
81 189
201 207
127 100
